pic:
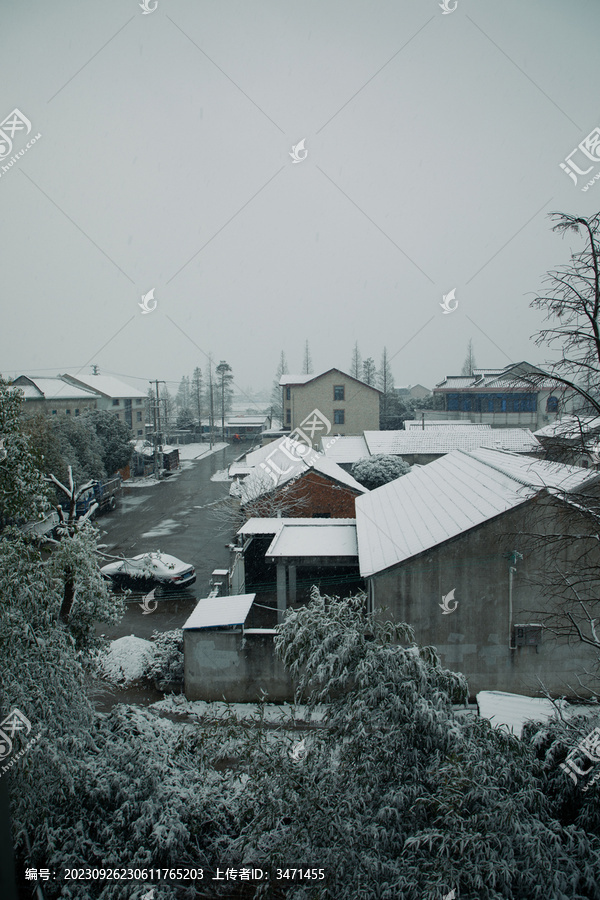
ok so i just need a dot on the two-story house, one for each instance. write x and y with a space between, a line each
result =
519 395
126 402
54 396
348 405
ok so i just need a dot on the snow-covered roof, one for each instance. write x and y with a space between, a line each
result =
284 464
53 388
295 379
440 440
435 503
273 525
452 424
218 612
249 421
511 711
330 540
570 427
345 449
107 385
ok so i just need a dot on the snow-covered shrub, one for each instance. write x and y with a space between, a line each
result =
396 795
373 471
166 668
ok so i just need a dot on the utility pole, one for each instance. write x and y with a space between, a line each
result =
212 408
157 430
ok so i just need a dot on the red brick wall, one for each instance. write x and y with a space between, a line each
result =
316 494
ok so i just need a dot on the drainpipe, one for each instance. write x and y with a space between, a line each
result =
514 556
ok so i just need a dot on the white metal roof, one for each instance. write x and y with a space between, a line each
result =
215 612
315 540
434 503
108 386
345 449
53 388
247 420
273 525
570 427
511 711
443 440
296 379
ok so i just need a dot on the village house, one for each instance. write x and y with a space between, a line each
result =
456 549
573 440
519 395
294 481
55 396
349 406
127 403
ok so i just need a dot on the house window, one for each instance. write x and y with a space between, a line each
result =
53 412
338 417
288 393
138 402
140 433
139 415
115 403
76 412
552 404
68 412
288 417
338 392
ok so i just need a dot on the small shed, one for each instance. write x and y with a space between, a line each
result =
223 660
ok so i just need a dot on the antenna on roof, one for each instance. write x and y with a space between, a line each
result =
94 370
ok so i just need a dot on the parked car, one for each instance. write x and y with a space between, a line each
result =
157 568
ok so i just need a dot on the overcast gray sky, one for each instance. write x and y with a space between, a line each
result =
434 142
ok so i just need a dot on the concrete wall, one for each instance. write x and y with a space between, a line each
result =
229 665
474 639
361 404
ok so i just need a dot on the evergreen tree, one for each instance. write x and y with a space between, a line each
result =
197 388
369 372
225 377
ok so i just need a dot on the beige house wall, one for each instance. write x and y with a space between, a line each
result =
360 405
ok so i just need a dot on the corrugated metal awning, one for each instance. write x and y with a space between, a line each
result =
220 612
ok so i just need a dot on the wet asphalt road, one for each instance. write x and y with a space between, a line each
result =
175 517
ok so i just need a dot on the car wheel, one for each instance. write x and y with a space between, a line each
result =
112 503
160 590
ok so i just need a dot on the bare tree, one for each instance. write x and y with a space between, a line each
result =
385 380
260 498
469 364
356 366
571 305
307 366
369 372
277 392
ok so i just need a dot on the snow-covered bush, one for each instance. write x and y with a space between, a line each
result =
397 796
166 668
373 471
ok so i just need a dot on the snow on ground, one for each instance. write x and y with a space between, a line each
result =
198 451
272 712
127 659
221 475
167 526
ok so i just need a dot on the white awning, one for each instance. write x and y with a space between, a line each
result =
220 612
